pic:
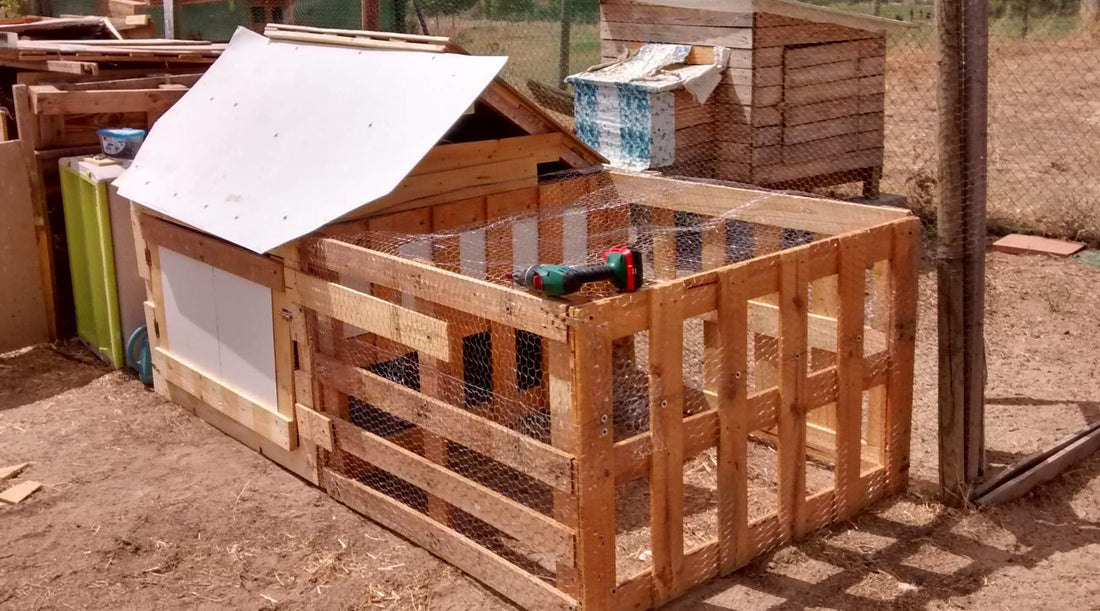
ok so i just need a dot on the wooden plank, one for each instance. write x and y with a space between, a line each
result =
482 564
793 357
736 38
272 425
595 482
904 265
851 286
802 57
666 416
668 15
733 422
408 327
212 251
821 149
23 316
12 470
824 91
788 172
496 303
47 100
824 118
540 148
857 23
19 492
1039 468
314 426
540 461
806 34
699 55
776 209
565 437
821 74
475 499
421 186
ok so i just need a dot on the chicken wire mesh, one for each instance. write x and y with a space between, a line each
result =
659 377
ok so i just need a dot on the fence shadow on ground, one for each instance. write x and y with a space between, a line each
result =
889 557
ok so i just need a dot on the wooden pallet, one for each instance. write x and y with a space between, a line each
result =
421 485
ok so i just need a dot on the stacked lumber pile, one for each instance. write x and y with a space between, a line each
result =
61 120
801 100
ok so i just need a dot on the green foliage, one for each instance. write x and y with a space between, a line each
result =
12 8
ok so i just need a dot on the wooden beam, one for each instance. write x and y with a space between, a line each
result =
482 564
489 506
269 424
407 327
212 251
496 303
1039 468
540 148
963 57
538 460
48 100
767 208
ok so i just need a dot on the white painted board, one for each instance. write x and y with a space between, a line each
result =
220 324
190 313
278 138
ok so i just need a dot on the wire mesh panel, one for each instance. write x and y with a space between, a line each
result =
606 449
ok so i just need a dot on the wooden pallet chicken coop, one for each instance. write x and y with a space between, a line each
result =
800 99
383 351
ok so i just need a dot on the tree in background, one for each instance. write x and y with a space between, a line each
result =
12 8
1089 17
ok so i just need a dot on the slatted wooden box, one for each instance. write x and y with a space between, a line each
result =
516 436
801 103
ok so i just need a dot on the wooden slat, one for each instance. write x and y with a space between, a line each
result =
793 357
48 100
540 148
595 481
851 286
408 327
421 186
733 422
475 499
701 431
214 252
542 462
779 174
736 38
496 303
314 426
457 549
902 345
669 15
666 415
271 425
776 209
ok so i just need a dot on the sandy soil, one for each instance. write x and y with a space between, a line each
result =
144 506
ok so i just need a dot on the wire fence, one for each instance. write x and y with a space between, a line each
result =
1044 83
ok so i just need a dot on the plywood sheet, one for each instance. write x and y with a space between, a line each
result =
279 138
22 304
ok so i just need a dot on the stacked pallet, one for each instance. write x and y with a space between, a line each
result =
817 103
800 103
61 120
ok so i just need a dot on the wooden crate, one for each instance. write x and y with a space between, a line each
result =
484 423
800 104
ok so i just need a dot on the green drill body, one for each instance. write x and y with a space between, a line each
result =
622 268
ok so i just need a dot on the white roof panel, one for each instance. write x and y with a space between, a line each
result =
277 139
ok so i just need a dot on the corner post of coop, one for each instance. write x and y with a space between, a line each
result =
588 356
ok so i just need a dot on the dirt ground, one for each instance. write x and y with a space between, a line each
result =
146 507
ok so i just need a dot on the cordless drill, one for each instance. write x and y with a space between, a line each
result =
622 268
